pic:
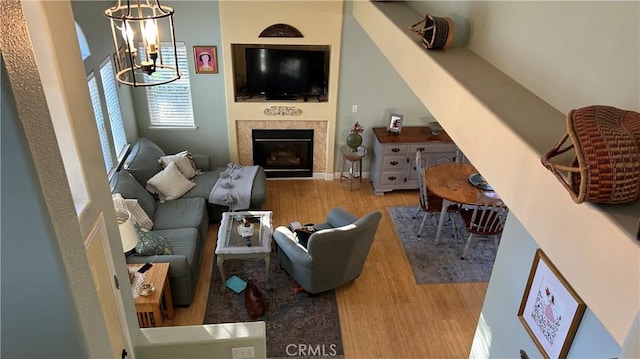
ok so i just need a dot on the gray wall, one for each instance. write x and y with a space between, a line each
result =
368 80
500 333
197 24
35 289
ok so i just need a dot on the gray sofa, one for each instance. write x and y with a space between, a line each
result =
183 222
142 162
335 253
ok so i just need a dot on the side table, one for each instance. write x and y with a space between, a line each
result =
355 160
152 309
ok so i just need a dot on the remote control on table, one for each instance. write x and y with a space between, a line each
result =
145 267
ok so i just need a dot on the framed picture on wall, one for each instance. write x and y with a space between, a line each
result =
205 59
395 123
550 309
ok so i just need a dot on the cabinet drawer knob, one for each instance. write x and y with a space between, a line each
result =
392 178
395 149
393 163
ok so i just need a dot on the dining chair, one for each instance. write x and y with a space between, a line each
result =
486 218
429 203
460 157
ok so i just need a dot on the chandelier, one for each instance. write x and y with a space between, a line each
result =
136 26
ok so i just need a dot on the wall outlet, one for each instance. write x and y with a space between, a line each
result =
354 108
243 353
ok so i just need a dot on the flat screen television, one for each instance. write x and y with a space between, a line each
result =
285 73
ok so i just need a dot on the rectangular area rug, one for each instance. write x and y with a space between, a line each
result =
441 263
297 325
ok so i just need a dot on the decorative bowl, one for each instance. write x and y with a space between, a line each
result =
435 128
146 289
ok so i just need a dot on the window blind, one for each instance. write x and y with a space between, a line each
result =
113 106
102 130
170 104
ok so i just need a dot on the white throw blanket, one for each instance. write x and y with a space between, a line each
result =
234 186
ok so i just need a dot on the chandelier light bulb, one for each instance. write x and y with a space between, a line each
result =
150 31
127 34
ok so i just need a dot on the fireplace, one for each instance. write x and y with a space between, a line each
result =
283 153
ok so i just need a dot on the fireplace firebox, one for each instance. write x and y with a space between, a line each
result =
283 153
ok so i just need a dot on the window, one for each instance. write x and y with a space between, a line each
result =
102 129
113 139
170 104
107 75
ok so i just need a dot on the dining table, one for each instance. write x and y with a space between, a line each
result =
451 182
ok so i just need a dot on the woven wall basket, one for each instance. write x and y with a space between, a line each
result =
606 165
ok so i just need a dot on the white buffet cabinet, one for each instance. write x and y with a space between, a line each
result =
393 157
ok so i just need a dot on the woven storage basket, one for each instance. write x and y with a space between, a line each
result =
437 32
606 166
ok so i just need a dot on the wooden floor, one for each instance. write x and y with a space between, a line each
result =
384 313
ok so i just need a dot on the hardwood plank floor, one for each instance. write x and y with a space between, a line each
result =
383 313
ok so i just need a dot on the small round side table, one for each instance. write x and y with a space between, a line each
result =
355 160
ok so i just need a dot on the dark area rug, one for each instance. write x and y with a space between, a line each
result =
441 263
297 325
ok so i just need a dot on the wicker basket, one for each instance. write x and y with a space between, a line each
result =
606 166
437 32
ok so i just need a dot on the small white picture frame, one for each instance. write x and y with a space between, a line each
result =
395 123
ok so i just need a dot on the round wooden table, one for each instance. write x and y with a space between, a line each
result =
451 182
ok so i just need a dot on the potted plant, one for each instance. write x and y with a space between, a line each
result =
354 140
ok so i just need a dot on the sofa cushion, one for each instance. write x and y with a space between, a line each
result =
169 184
124 183
142 162
184 263
180 213
204 184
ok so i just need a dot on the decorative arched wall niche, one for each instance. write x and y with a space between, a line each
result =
280 30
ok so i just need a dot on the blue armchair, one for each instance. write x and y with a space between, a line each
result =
335 253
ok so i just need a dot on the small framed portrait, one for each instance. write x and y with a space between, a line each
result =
205 59
395 123
550 309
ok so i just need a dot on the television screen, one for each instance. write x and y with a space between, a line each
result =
287 73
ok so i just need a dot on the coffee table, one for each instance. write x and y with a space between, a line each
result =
232 245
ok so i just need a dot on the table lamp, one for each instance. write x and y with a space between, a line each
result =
128 233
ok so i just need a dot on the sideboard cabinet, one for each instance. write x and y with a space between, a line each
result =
393 157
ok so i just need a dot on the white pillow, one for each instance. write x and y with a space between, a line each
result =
169 183
139 215
184 161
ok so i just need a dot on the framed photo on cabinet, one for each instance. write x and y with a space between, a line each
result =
395 123
205 59
550 310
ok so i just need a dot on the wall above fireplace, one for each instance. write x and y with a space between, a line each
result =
321 24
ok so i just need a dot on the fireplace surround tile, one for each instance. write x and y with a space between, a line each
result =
245 149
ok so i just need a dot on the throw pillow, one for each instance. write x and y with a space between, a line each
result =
184 161
151 243
169 183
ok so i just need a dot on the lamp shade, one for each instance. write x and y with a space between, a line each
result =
128 233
